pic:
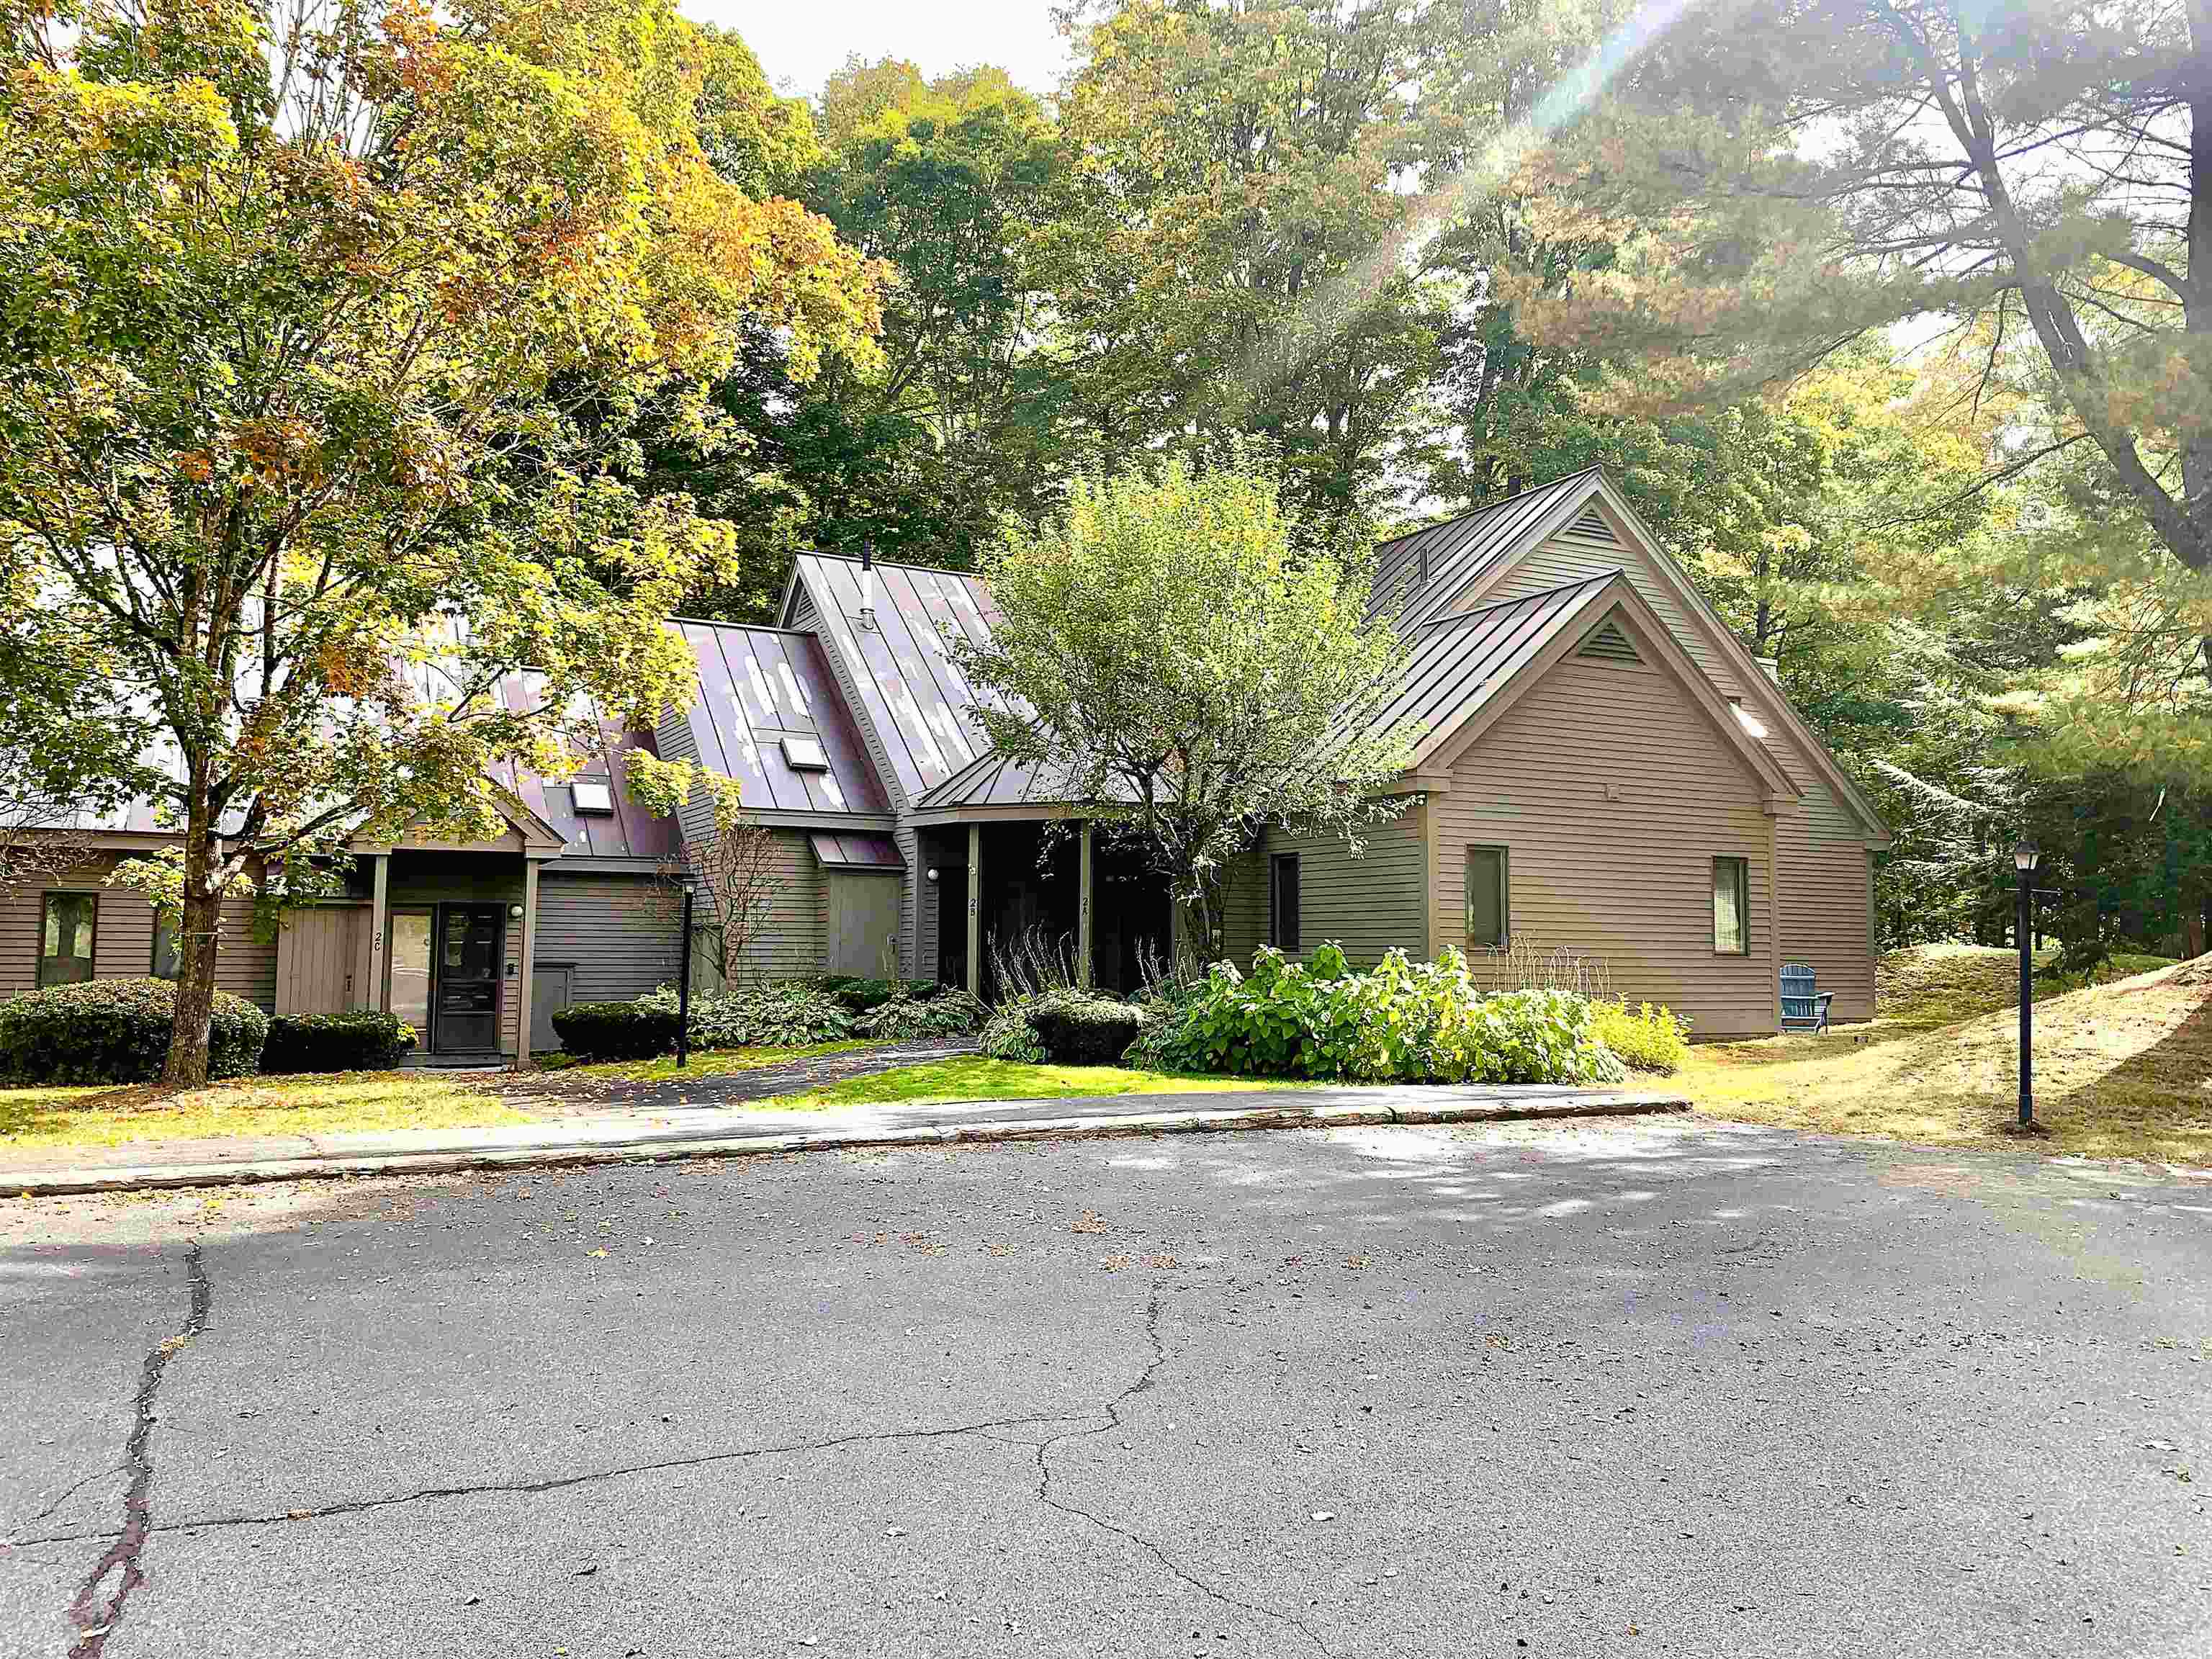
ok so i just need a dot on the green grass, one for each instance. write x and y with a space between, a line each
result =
705 1062
971 1077
2124 1065
41 1121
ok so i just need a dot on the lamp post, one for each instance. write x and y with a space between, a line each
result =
684 990
2024 858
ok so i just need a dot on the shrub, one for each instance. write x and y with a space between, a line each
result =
616 1031
1008 1036
358 1040
1649 1039
859 996
117 1030
1093 1031
948 1014
790 1013
1405 1022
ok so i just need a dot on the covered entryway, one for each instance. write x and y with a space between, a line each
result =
1031 892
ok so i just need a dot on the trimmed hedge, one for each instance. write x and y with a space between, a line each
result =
1086 1030
358 1040
117 1030
616 1031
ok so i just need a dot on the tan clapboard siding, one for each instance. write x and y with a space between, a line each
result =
909 941
123 946
788 939
619 932
1628 881
1826 901
1369 904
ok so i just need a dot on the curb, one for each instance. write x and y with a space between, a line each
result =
666 1148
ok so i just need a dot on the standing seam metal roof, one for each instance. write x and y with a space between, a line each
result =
758 685
1417 575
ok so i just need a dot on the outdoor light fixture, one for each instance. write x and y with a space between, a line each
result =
2024 858
515 911
933 873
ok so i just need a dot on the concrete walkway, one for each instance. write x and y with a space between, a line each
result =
706 1131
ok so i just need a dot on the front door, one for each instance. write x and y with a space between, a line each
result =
464 996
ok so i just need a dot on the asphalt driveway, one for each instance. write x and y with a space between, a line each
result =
1645 1387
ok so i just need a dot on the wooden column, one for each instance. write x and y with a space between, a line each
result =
529 961
1083 935
379 932
975 909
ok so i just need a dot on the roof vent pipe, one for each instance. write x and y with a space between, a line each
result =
868 586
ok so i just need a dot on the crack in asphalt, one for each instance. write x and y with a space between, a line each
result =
562 1483
74 1488
1112 1411
91 1621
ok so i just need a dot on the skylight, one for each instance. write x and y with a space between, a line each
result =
592 795
805 755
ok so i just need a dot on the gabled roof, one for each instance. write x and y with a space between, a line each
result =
1469 668
1417 575
757 686
1457 663
1420 575
913 695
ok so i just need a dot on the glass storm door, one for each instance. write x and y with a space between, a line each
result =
465 993
410 971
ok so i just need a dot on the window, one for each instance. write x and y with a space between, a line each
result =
1732 907
164 965
592 795
1283 901
65 943
805 755
1488 911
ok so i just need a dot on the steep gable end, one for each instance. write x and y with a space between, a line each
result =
1608 644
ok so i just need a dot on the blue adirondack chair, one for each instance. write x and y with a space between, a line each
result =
1804 1005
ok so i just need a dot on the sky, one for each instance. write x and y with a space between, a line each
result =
800 43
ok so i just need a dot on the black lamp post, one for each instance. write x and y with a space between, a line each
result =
2024 858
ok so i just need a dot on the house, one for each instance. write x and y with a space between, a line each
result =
1603 768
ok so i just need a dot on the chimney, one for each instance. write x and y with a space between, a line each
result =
868 586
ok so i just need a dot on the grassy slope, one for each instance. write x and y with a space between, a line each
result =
38 1121
2123 1067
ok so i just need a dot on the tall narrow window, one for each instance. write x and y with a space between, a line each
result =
1283 901
164 965
1732 907
1489 899
65 940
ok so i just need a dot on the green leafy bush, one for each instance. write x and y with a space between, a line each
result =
1086 1030
1007 1034
790 1013
359 1040
1649 1040
859 996
616 1031
948 1014
117 1030
1404 1022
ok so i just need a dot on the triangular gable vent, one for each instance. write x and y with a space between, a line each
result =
1609 644
1592 527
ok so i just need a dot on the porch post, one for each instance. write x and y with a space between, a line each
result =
1083 909
975 910
379 924
529 961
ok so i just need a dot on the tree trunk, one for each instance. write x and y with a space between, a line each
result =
186 1067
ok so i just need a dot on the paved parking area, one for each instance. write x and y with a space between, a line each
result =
1641 1387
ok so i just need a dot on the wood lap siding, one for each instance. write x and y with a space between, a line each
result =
1821 853
1369 904
618 932
1628 881
789 937
1825 901
123 945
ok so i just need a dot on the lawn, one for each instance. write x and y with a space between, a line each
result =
39 1121
2123 1066
971 1077
707 1062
